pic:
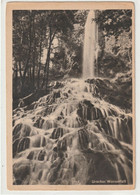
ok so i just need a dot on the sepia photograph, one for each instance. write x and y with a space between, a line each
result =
71 85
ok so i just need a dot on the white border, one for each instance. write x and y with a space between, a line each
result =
3 188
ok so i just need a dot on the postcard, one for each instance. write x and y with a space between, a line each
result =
70 96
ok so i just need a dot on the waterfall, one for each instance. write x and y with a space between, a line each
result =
66 137
90 46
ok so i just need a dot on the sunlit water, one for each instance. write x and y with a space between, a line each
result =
90 46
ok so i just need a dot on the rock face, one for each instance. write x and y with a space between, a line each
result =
74 135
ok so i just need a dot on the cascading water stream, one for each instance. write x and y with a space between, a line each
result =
60 145
90 46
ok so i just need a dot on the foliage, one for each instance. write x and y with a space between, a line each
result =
115 22
33 32
115 41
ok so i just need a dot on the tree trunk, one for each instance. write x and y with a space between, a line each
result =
29 54
38 75
46 64
46 68
34 53
30 74
20 72
47 76
16 77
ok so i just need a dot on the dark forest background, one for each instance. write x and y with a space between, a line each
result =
48 45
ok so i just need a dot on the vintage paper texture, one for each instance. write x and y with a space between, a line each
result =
97 184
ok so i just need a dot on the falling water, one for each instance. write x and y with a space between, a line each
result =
90 44
66 137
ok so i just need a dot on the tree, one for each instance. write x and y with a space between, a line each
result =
34 31
113 24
